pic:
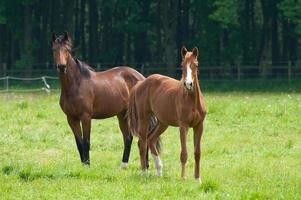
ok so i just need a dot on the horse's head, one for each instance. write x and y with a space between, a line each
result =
189 67
61 48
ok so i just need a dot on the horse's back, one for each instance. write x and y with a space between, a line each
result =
157 94
158 82
125 72
112 89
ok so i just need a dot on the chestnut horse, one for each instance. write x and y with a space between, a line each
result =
174 103
87 95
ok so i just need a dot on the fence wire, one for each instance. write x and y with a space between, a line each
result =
8 87
22 80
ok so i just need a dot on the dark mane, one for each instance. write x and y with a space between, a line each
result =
84 68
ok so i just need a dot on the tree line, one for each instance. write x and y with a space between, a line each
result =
227 32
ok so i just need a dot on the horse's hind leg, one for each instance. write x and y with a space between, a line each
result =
152 141
127 139
197 134
75 127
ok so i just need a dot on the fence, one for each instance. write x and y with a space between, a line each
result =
46 79
16 84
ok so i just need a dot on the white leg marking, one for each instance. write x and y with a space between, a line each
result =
124 165
158 165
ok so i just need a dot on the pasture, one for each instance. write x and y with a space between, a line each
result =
251 149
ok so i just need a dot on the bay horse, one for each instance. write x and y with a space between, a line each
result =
87 95
174 103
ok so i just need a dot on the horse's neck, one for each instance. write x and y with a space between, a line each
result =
71 78
197 91
195 94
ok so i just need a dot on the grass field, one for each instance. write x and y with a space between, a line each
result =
251 150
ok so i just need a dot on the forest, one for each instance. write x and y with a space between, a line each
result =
227 32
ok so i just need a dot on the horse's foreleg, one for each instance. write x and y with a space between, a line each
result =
75 127
183 138
127 140
86 125
197 134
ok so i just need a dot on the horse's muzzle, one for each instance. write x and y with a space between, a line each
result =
188 85
61 68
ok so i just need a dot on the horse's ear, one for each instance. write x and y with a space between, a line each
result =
195 52
183 51
53 38
66 36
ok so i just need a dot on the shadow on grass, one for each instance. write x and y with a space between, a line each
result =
29 173
7 170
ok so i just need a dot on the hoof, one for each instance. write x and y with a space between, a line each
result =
144 173
158 172
198 180
124 165
86 163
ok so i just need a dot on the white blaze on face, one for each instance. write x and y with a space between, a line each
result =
188 79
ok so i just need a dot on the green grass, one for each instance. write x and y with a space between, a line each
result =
251 149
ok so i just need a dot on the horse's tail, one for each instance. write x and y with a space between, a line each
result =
153 123
133 119
132 114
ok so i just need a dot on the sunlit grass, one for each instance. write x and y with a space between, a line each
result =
251 149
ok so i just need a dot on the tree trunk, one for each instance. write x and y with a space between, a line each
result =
77 24
93 33
285 37
293 45
183 25
68 6
142 53
246 31
56 17
107 34
275 44
3 43
158 56
169 19
83 29
27 49
37 52
45 36
264 40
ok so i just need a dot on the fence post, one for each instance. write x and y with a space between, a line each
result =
289 73
4 68
7 83
98 66
238 71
